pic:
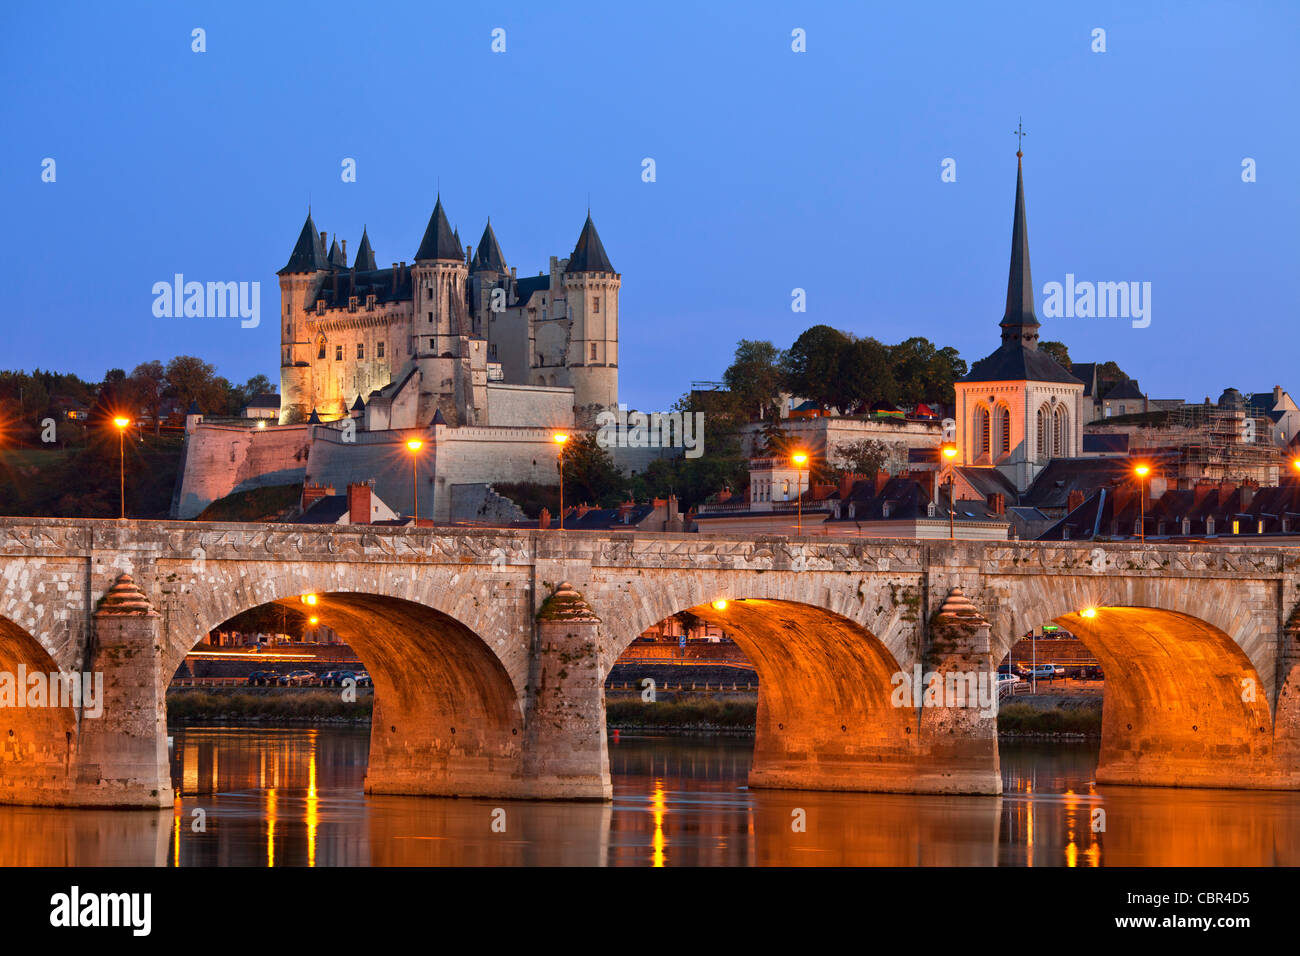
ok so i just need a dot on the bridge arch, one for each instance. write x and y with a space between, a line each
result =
37 743
1190 675
448 712
828 715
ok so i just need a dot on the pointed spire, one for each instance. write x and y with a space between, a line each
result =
308 254
439 242
589 253
336 256
488 257
358 405
315 418
1019 323
365 261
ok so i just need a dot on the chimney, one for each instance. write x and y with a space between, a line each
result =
359 503
1248 493
512 272
323 244
847 480
544 519
1075 500
394 278
314 493
882 479
345 250
625 510
724 495
997 503
469 254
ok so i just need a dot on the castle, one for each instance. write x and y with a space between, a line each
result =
455 336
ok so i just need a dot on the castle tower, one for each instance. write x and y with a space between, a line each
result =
438 289
487 271
300 280
591 290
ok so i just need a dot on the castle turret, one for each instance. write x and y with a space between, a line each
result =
300 280
438 289
591 290
365 261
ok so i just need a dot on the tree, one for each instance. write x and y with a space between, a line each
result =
1059 352
193 380
865 457
865 376
754 378
145 389
811 366
590 474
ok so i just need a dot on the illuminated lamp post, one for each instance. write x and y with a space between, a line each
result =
1142 471
800 459
950 452
413 446
560 438
121 424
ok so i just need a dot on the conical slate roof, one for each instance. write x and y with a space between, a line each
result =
488 257
365 261
336 256
358 405
439 242
308 254
315 418
589 253
1019 314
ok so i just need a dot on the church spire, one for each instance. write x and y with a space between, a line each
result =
1019 323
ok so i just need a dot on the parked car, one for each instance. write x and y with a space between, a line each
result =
336 678
1042 671
299 678
1007 681
262 678
363 679
1015 670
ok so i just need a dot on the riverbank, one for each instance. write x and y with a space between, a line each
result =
1041 717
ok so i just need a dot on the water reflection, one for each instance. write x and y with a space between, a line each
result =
293 798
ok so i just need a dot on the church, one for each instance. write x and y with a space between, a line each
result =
1018 408
454 336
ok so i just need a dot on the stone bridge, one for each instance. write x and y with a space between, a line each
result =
489 674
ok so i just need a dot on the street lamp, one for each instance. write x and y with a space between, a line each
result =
950 452
121 424
800 459
414 445
720 604
1142 471
560 438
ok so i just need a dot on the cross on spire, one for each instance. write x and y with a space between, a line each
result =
1020 135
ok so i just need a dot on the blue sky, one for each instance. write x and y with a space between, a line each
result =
775 170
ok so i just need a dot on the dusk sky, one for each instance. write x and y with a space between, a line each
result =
775 170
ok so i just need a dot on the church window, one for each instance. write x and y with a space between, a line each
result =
1004 430
338 353
1060 442
1044 433
983 426
379 350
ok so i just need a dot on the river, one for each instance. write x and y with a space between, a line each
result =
293 797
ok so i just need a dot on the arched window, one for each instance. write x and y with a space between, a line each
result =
1004 430
320 351
983 425
1061 433
1044 424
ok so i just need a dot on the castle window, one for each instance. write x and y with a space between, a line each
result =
320 353
320 306
379 350
370 303
352 303
595 305
492 351
432 344
361 350
338 353
430 316
593 351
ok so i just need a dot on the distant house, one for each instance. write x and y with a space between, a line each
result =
321 505
265 405
1279 408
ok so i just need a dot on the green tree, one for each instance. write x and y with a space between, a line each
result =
589 473
145 387
193 380
864 457
1059 352
865 376
811 366
754 378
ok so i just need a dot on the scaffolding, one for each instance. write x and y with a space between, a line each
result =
1212 443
